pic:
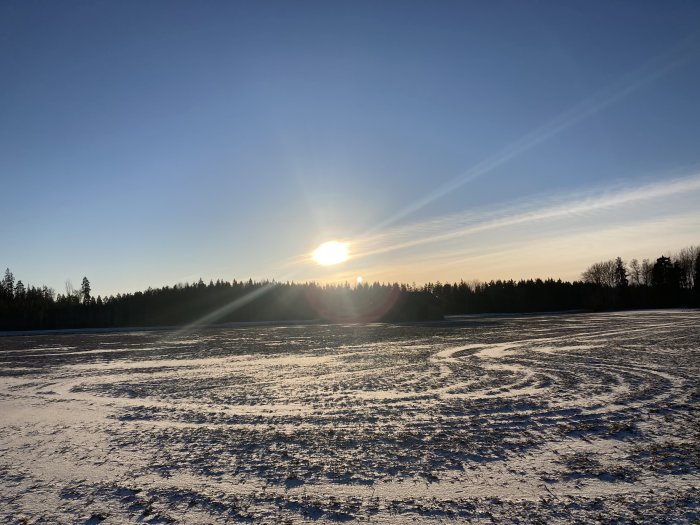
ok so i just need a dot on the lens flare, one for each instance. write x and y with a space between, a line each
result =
332 252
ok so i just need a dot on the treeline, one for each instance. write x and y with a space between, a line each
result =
28 308
668 282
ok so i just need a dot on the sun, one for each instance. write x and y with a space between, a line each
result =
332 252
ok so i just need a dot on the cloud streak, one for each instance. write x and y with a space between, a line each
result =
453 227
654 69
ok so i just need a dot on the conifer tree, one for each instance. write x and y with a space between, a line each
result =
620 274
85 291
8 284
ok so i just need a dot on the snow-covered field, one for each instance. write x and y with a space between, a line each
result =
569 418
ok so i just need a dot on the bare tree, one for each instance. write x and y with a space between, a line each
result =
635 273
72 294
601 273
686 262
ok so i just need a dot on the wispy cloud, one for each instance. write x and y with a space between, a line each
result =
442 229
652 70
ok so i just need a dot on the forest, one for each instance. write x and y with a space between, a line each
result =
668 282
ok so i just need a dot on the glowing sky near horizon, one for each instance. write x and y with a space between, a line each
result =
145 144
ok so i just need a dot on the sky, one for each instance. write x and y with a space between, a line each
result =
150 143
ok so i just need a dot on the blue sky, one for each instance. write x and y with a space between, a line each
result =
148 143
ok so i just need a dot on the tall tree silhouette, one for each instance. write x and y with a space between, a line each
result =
620 274
647 271
663 275
20 291
686 262
635 273
85 291
8 284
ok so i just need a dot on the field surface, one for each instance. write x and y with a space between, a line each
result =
544 419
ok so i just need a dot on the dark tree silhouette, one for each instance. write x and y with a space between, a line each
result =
686 263
8 284
635 273
20 291
620 274
601 274
663 275
85 291
647 270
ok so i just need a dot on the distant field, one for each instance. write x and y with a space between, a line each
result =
545 419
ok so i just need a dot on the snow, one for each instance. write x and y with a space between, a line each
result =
557 419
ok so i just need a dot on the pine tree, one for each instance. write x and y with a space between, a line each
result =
85 291
20 291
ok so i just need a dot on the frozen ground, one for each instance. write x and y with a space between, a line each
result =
571 418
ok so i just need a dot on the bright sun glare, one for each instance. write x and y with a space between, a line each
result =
332 252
